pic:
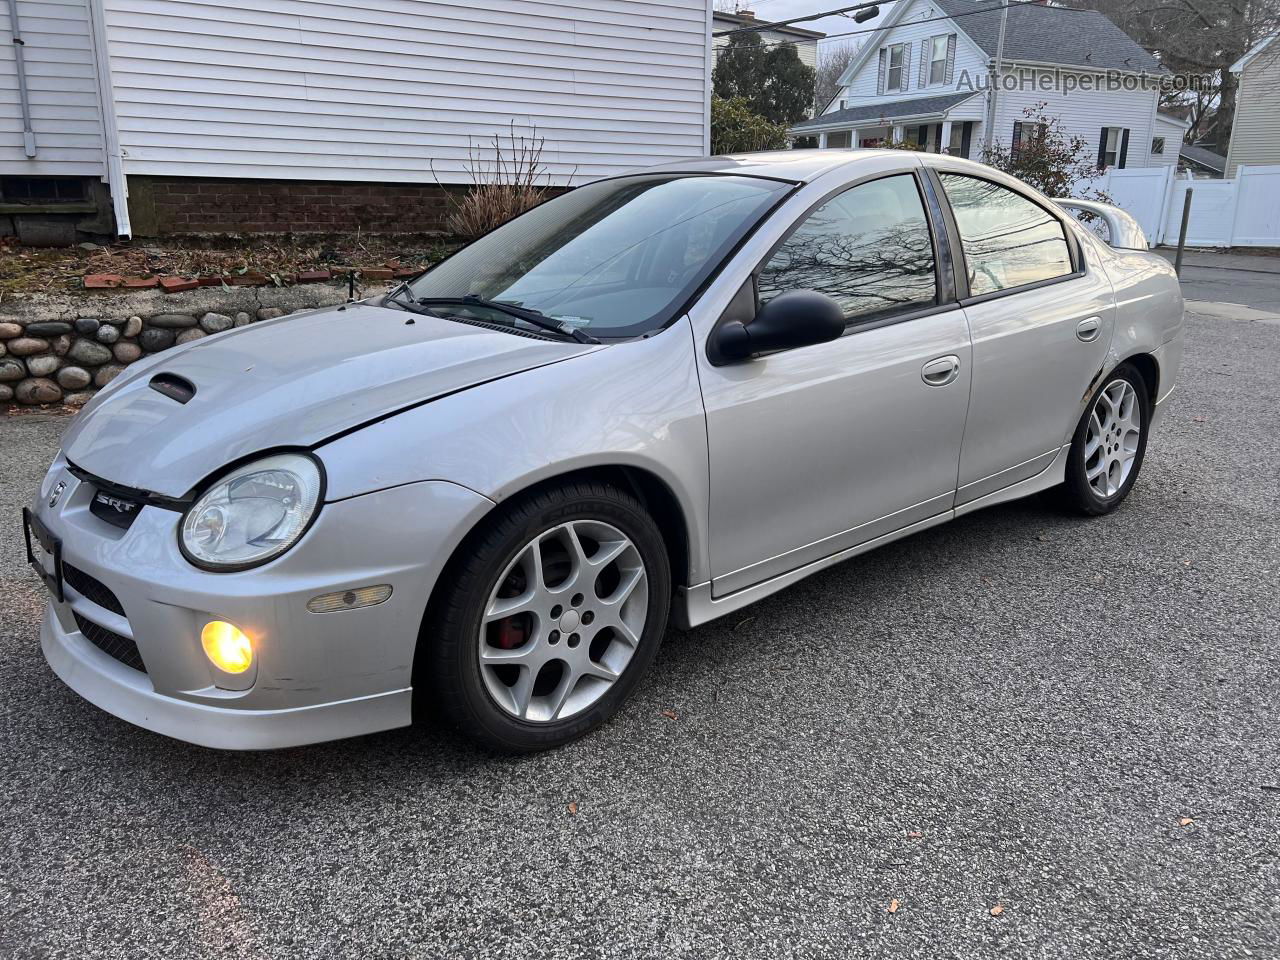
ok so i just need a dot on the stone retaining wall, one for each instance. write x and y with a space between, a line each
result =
61 349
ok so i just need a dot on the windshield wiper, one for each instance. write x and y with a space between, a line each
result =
527 314
393 296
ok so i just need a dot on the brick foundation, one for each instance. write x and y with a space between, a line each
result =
174 205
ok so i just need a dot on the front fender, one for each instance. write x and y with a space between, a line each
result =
636 404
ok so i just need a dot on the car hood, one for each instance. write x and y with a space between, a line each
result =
290 382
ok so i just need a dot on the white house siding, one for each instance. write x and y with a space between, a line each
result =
62 85
1084 114
1255 133
1173 135
392 90
862 86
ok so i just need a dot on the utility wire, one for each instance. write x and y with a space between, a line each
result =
851 33
808 16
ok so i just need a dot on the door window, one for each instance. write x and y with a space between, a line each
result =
1008 241
868 248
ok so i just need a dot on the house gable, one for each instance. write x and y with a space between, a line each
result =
1255 130
912 23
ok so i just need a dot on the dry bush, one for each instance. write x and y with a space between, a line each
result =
513 181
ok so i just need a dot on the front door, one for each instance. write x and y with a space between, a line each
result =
1041 320
818 449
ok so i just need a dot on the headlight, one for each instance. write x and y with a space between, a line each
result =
256 512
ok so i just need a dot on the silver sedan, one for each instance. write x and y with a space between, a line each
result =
663 395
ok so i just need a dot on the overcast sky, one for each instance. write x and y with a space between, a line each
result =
785 9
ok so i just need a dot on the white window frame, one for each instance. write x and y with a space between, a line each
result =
938 63
1111 149
901 85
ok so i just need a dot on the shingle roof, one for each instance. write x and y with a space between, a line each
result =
914 107
1044 34
1205 158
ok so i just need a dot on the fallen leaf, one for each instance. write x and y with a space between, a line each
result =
893 906
670 714
1185 822
915 835
997 910
573 808
1199 419
1042 538
742 623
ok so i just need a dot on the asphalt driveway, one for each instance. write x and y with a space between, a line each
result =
1076 721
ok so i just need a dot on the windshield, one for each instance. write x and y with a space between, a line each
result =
615 258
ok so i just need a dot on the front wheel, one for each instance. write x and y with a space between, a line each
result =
1109 444
549 619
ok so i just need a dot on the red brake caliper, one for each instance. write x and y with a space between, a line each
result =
511 633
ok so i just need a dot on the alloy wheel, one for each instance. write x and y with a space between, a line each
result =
1112 438
563 621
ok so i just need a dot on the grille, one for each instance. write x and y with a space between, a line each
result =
91 588
112 644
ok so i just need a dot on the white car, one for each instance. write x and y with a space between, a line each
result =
665 394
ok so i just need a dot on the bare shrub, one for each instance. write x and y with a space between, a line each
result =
505 186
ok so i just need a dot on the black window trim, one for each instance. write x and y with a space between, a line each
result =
965 299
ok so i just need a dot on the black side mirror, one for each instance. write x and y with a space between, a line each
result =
797 318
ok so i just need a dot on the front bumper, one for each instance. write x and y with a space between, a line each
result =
315 676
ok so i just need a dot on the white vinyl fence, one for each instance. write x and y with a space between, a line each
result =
1241 212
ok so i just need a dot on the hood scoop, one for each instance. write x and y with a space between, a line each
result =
173 386
292 382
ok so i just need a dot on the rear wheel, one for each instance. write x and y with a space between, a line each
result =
549 619
1109 444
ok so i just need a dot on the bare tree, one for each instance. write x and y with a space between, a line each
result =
833 60
1198 37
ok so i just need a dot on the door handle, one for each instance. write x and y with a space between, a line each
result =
1088 330
940 372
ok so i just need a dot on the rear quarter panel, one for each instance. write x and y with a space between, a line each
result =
1149 311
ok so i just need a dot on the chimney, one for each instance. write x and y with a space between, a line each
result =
746 14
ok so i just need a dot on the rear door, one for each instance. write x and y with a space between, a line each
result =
1041 317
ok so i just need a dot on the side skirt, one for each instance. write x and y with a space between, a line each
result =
695 605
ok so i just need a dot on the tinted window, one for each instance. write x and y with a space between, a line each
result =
867 248
1008 241
616 257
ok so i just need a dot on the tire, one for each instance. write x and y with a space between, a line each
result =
502 621
1100 476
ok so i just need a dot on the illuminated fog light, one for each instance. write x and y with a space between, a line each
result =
226 646
349 599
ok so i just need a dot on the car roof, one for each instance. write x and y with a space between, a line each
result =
795 166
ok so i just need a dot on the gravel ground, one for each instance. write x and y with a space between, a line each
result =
1075 720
